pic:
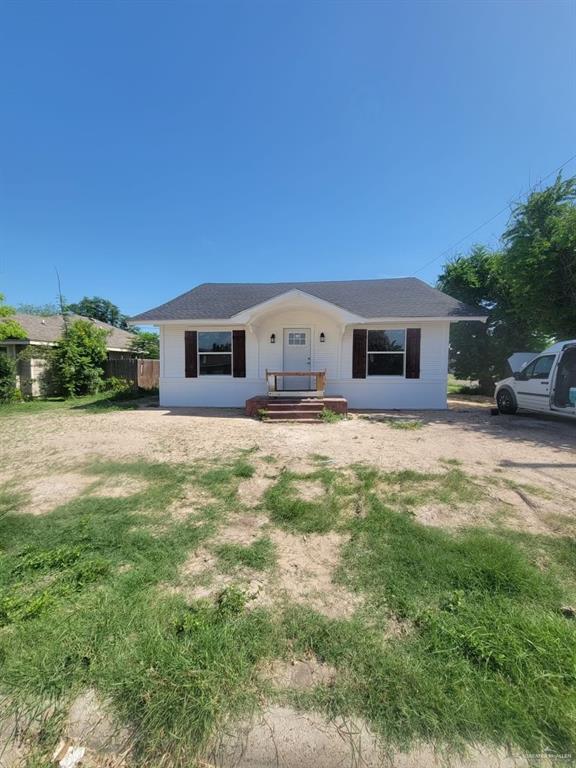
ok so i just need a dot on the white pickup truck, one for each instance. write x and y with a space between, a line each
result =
546 383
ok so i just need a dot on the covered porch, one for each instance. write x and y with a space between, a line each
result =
305 402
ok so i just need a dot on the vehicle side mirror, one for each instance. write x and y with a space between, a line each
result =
518 375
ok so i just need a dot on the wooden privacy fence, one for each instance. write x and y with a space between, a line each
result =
143 373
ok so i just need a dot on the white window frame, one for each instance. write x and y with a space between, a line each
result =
231 353
403 353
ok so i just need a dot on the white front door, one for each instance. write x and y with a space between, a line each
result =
296 357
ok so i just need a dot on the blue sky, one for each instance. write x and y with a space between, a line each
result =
149 146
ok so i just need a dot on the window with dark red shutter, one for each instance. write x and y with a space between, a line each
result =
359 338
413 338
239 354
191 354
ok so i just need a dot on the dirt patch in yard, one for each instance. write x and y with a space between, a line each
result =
519 510
251 491
525 448
47 493
91 724
305 570
241 529
191 503
448 516
282 736
298 674
120 486
309 490
198 562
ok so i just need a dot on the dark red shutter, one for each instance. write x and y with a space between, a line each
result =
359 341
413 353
191 354
239 354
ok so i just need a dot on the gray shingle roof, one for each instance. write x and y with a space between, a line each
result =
49 329
397 297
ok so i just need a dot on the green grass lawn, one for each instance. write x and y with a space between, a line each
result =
488 656
103 401
461 386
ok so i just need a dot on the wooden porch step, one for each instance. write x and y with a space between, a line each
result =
294 406
301 408
291 415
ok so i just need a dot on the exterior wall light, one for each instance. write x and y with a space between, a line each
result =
272 338
322 337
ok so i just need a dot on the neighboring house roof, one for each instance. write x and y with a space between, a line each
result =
397 297
48 330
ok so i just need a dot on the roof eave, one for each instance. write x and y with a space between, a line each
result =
355 319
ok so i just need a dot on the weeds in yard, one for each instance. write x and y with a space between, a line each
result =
450 462
319 458
288 508
329 416
408 489
11 499
79 618
259 556
405 424
489 657
100 403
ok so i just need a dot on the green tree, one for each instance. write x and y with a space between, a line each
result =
44 310
479 351
99 309
146 344
7 378
78 359
539 264
9 328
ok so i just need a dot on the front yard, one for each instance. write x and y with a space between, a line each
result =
195 588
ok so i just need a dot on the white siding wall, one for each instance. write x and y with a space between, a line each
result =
334 355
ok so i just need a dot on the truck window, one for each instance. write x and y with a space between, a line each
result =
539 368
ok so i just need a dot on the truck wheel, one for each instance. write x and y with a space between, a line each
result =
506 401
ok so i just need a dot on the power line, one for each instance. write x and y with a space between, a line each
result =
496 215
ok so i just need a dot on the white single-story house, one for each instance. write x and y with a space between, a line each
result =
377 343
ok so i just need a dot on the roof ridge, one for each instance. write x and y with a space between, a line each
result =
312 282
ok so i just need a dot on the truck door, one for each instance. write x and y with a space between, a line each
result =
562 379
533 388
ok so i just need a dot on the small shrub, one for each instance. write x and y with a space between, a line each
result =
405 424
120 388
78 360
231 601
7 379
330 417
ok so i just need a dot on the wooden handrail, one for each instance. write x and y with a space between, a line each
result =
319 376
294 373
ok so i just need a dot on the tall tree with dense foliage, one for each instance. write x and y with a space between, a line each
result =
43 310
146 344
479 351
9 328
7 378
78 360
539 264
528 287
99 309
